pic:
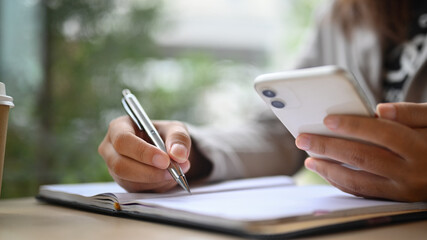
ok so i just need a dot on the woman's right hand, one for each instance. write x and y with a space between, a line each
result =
137 165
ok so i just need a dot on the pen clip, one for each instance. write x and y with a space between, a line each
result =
130 113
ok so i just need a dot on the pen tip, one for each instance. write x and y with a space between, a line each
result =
182 181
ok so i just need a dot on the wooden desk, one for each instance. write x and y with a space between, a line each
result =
30 219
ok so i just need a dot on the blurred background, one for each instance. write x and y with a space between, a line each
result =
66 62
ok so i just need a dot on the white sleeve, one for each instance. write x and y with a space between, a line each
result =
254 149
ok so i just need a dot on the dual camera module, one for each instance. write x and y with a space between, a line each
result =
275 102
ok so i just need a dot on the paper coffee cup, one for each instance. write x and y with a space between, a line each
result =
6 102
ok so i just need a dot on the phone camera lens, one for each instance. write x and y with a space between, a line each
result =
277 104
269 93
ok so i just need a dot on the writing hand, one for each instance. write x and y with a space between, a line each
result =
392 157
137 165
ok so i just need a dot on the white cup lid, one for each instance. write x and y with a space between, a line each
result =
4 99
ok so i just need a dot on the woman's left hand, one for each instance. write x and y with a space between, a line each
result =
391 154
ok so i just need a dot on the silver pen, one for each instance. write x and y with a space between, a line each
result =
140 118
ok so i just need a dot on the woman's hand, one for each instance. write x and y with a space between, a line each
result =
138 165
392 157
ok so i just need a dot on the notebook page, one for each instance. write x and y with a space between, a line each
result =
232 185
85 189
269 203
112 188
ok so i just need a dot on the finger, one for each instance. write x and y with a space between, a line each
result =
410 114
394 136
130 170
177 140
126 143
159 187
344 189
356 182
124 123
370 158
422 132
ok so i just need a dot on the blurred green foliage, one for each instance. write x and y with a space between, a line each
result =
66 113
92 50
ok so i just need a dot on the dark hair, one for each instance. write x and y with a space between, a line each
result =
388 18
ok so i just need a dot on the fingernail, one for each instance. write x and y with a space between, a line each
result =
331 122
160 161
179 151
310 164
387 111
303 142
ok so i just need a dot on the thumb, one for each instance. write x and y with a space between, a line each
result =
177 139
409 114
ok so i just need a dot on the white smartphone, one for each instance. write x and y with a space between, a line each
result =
302 98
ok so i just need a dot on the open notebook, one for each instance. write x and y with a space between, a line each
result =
268 206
